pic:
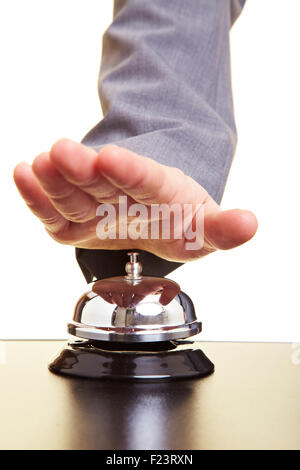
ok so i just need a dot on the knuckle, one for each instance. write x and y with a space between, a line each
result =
61 196
81 215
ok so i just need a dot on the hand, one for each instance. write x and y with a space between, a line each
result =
64 187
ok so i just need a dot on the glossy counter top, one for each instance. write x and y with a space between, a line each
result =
252 401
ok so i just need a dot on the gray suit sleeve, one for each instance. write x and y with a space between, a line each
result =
165 92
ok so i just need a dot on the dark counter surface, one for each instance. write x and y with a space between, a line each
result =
252 401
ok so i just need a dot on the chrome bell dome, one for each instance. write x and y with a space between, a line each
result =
134 308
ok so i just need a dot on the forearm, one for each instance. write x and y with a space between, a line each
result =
165 86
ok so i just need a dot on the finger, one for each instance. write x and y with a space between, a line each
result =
117 299
127 299
228 229
106 296
168 293
37 200
136 299
77 163
145 180
70 201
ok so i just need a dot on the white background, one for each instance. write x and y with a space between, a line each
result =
50 55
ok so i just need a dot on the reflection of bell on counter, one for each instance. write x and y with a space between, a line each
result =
133 327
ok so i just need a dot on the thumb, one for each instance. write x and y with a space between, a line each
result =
228 229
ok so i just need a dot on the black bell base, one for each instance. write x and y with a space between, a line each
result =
169 360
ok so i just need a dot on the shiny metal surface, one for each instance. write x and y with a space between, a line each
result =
149 320
134 308
133 268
